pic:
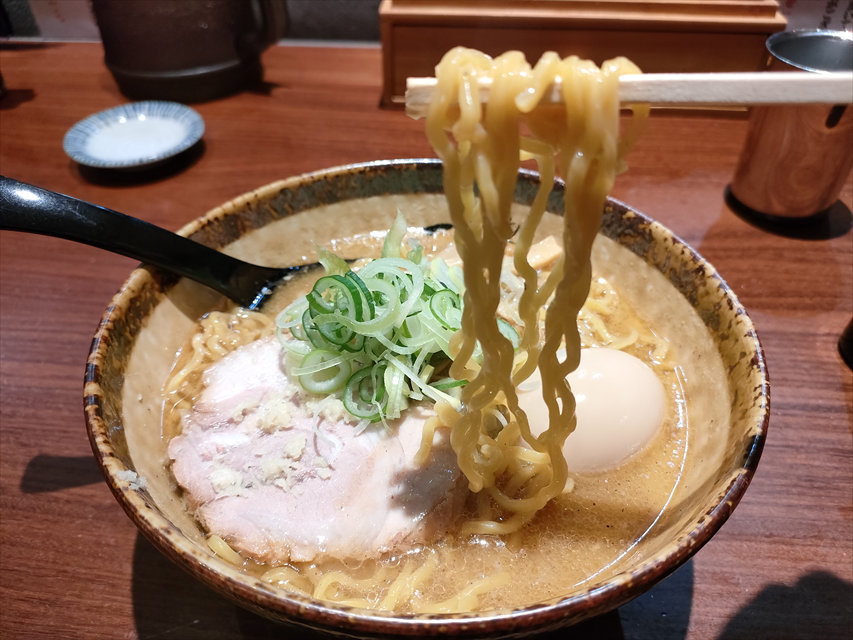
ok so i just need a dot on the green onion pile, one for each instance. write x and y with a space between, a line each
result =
379 337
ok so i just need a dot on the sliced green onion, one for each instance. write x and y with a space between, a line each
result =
446 307
335 333
312 333
366 296
297 347
388 311
428 390
333 264
397 392
449 277
364 395
377 336
406 277
323 371
448 383
394 237
355 345
416 253
509 332
336 294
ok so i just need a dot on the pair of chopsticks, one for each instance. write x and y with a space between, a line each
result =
693 89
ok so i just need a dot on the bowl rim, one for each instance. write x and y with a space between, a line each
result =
254 594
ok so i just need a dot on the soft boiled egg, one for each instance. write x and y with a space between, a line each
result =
620 408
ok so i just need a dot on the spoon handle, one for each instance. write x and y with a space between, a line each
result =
24 207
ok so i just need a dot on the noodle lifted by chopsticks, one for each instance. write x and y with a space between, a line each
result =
481 147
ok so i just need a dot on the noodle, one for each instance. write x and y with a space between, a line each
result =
413 583
220 333
512 473
481 147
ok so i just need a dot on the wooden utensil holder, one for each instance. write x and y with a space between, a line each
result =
659 35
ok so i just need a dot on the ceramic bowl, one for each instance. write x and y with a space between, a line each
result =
154 312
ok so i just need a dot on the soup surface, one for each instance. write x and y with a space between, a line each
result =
605 520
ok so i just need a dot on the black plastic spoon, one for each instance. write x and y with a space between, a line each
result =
24 207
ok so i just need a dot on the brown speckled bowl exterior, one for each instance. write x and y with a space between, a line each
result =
126 316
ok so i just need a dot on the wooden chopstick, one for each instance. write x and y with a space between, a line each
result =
694 89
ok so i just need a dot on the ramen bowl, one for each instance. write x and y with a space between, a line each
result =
154 313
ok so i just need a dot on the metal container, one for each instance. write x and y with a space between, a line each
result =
796 158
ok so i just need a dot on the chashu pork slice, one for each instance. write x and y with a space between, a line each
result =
284 477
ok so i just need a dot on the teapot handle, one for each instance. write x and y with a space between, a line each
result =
271 19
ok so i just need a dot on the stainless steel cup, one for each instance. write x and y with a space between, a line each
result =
797 158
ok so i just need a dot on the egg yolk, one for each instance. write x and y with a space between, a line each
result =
620 408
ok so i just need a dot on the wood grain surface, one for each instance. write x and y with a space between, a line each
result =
72 564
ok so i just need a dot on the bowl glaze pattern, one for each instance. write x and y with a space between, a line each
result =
147 502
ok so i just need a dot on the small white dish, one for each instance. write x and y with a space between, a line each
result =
134 135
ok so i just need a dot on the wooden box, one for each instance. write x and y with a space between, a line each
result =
659 35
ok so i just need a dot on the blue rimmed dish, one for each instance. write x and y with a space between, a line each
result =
134 136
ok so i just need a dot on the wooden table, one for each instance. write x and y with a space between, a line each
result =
72 564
